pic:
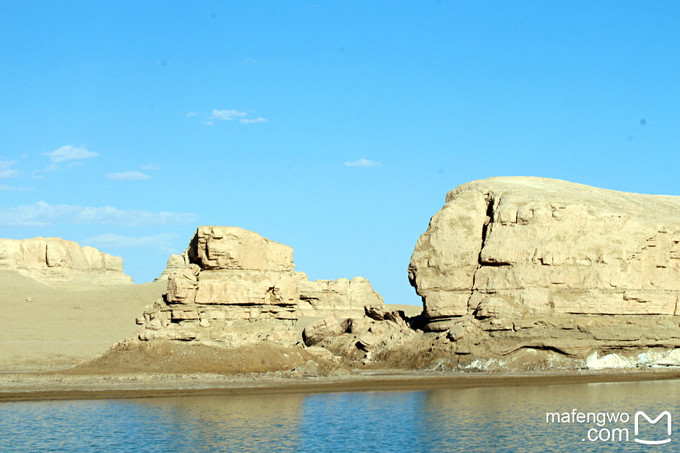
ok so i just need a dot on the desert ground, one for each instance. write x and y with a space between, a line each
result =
47 329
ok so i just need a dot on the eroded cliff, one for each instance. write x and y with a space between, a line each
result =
236 287
532 263
59 262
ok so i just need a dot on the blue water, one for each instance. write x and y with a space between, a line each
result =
511 419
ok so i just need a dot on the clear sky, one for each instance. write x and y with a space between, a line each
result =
335 127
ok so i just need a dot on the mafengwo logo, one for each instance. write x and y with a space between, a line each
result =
615 426
665 415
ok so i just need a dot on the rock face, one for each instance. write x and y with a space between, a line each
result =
237 286
175 262
511 263
58 262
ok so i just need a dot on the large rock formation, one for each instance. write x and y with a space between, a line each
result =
512 263
58 262
235 286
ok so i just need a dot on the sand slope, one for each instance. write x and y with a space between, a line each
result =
59 328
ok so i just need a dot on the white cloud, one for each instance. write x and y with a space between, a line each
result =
128 176
6 171
38 174
6 188
150 167
227 115
191 114
69 152
43 214
365 163
161 241
253 121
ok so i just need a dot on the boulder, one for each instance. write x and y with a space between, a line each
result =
320 330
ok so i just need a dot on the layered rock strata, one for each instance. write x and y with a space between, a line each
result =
237 286
512 263
58 262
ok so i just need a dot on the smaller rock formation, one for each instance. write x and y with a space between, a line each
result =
372 339
58 262
232 286
174 263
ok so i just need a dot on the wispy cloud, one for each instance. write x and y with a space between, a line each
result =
227 115
6 188
365 163
253 120
6 170
150 167
128 176
69 152
42 214
163 241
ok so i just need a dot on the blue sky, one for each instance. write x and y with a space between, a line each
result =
334 127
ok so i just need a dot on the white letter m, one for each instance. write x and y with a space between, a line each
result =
653 422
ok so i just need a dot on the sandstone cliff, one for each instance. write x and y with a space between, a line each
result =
233 286
532 263
58 262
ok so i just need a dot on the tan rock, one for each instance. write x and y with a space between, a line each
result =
229 276
216 247
183 285
324 328
551 265
58 262
175 262
341 297
549 246
382 313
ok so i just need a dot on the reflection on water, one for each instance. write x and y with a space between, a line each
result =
482 419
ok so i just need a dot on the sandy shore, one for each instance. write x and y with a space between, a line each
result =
52 386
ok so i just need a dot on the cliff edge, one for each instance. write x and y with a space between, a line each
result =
532 263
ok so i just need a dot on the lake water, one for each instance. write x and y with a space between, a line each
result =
511 419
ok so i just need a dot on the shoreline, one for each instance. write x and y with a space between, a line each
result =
53 386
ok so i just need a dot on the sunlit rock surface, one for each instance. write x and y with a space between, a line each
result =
236 286
58 262
517 262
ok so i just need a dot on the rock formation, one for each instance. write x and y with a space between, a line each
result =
58 262
175 262
235 286
514 274
532 263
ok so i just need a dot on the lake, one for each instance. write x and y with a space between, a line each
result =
569 417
